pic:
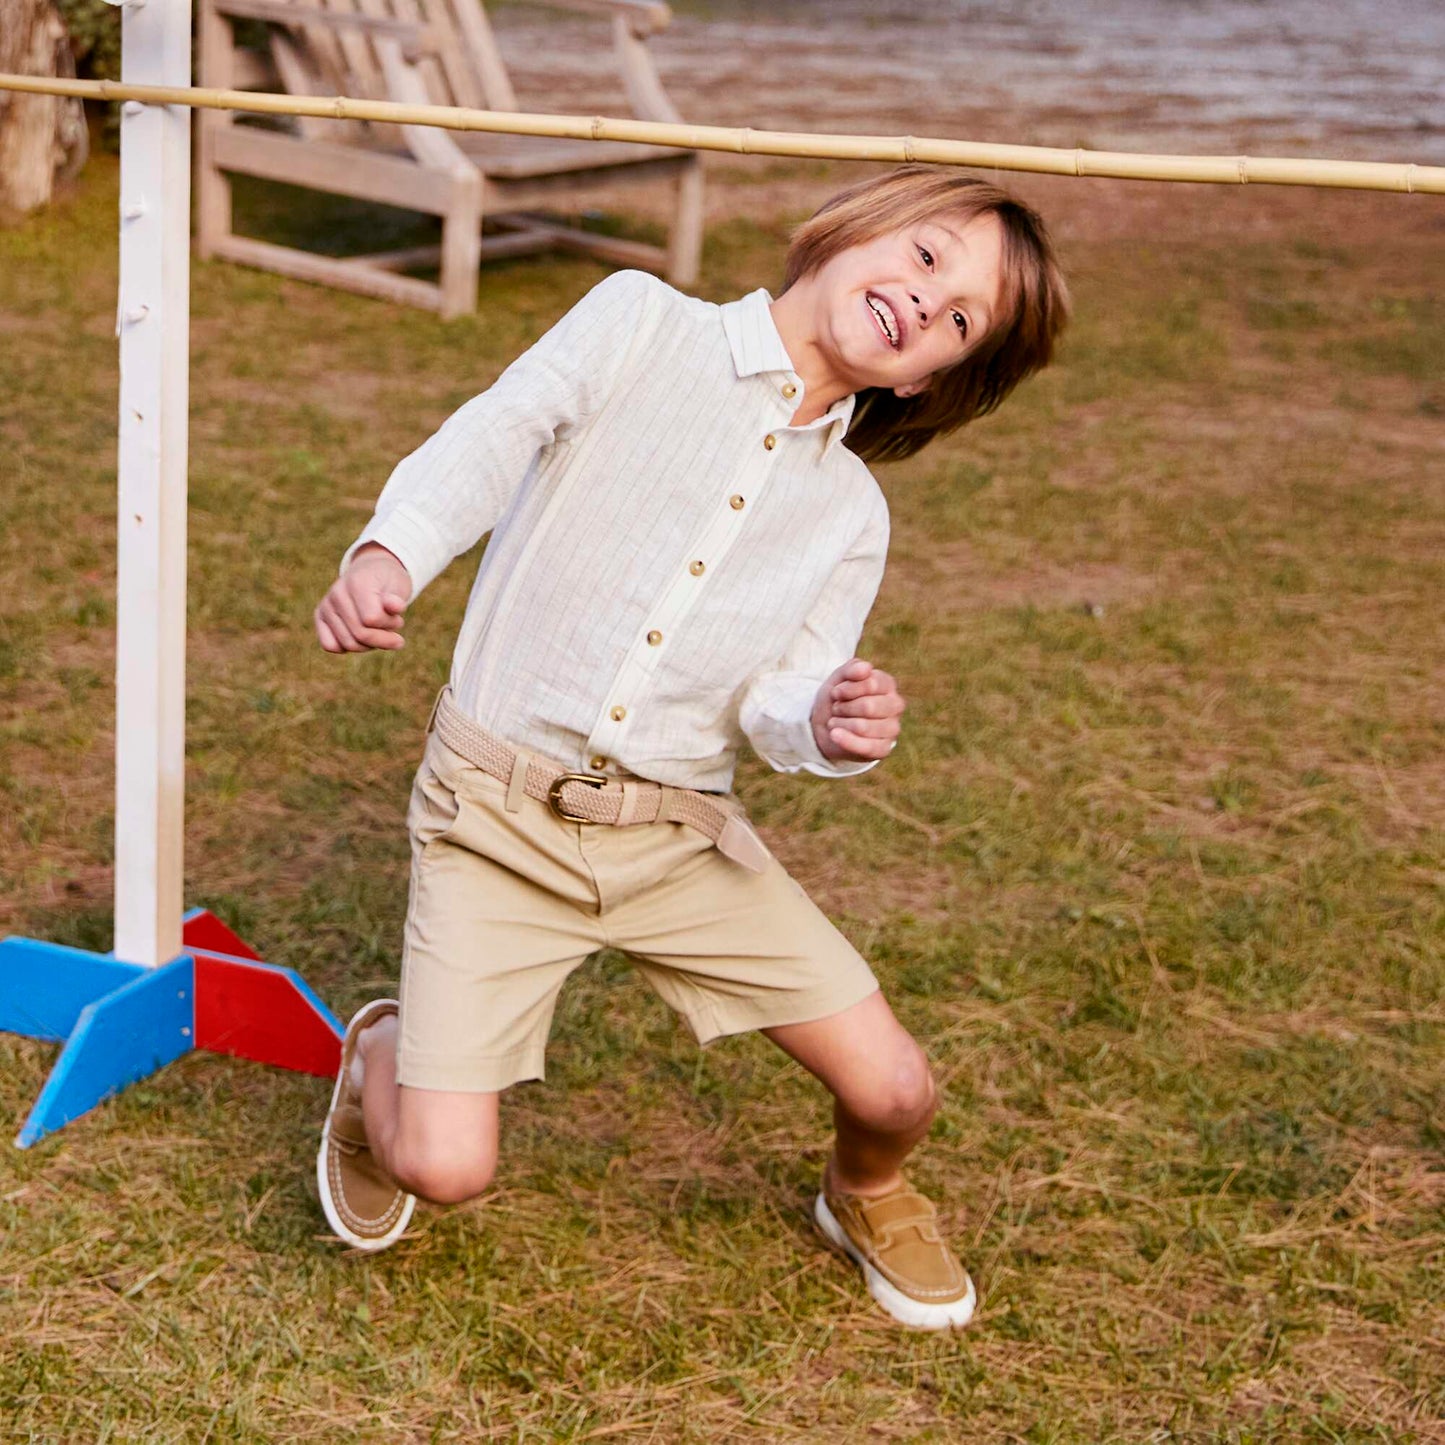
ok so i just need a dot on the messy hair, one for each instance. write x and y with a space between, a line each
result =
1034 303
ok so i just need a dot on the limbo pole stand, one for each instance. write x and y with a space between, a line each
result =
172 983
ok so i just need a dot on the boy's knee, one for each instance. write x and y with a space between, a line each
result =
916 1094
449 1176
904 1096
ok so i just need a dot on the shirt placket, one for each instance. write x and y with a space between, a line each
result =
632 687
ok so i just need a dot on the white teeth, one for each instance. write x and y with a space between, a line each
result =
886 320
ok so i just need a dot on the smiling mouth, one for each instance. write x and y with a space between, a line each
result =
887 320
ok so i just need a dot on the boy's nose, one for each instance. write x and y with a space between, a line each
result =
922 311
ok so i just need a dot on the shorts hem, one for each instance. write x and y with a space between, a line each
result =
746 1015
475 1074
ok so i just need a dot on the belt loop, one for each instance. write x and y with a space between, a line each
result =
627 813
517 783
436 707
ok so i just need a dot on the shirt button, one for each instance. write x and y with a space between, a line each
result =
598 764
789 390
654 638
770 441
736 502
618 713
697 569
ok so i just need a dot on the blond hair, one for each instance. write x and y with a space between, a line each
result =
1034 309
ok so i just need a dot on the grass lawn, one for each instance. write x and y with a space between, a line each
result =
1157 875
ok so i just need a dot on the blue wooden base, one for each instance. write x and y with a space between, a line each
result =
44 986
121 1021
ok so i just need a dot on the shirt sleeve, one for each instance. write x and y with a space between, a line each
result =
443 498
777 705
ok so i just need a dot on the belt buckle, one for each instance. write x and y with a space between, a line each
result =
554 794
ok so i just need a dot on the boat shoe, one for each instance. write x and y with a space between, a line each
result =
363 1205
894 1239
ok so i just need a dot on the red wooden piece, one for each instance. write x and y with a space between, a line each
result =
253 1010
202 929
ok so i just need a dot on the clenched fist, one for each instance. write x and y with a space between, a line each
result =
365 605
856 714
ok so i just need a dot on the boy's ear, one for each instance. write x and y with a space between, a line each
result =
914 388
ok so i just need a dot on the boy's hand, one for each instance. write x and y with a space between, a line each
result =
856 714
364 606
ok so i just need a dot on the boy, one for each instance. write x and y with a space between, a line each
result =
683 553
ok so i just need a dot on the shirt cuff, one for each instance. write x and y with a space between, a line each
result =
778 720
411 539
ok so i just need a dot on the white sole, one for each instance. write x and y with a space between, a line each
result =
916 1314
323 1182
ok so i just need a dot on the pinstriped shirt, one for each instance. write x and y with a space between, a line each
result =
673 568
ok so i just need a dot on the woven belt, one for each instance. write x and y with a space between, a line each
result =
594 798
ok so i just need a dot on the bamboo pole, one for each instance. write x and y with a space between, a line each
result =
1041 160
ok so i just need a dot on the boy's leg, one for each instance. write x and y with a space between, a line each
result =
883 1093
884 1101
735 950
383 1145
436 1144
502 908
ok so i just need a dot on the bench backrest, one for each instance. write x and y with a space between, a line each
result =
337 47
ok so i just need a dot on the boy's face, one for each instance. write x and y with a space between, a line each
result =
895 310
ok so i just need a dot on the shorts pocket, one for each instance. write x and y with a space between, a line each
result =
434 807
481 787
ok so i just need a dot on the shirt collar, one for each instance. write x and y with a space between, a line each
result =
757 348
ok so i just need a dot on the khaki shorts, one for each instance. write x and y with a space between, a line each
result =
505 904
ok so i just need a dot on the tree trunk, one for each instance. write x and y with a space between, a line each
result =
42 137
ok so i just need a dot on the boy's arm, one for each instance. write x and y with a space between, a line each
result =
793 714
444 497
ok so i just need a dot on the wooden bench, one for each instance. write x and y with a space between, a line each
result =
439 52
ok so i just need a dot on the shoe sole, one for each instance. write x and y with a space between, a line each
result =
359 1021
916 1314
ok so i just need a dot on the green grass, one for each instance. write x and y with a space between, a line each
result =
1157 875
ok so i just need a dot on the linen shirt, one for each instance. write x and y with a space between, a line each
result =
673 567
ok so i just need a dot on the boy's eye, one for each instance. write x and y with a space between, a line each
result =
961 321
927 256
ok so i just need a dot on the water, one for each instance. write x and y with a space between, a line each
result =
1357 78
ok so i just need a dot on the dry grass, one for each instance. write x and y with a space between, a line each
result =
1156 876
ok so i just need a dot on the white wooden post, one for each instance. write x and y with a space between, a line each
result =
153 322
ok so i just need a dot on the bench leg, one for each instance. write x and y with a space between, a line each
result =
684 243
462 246
213 190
